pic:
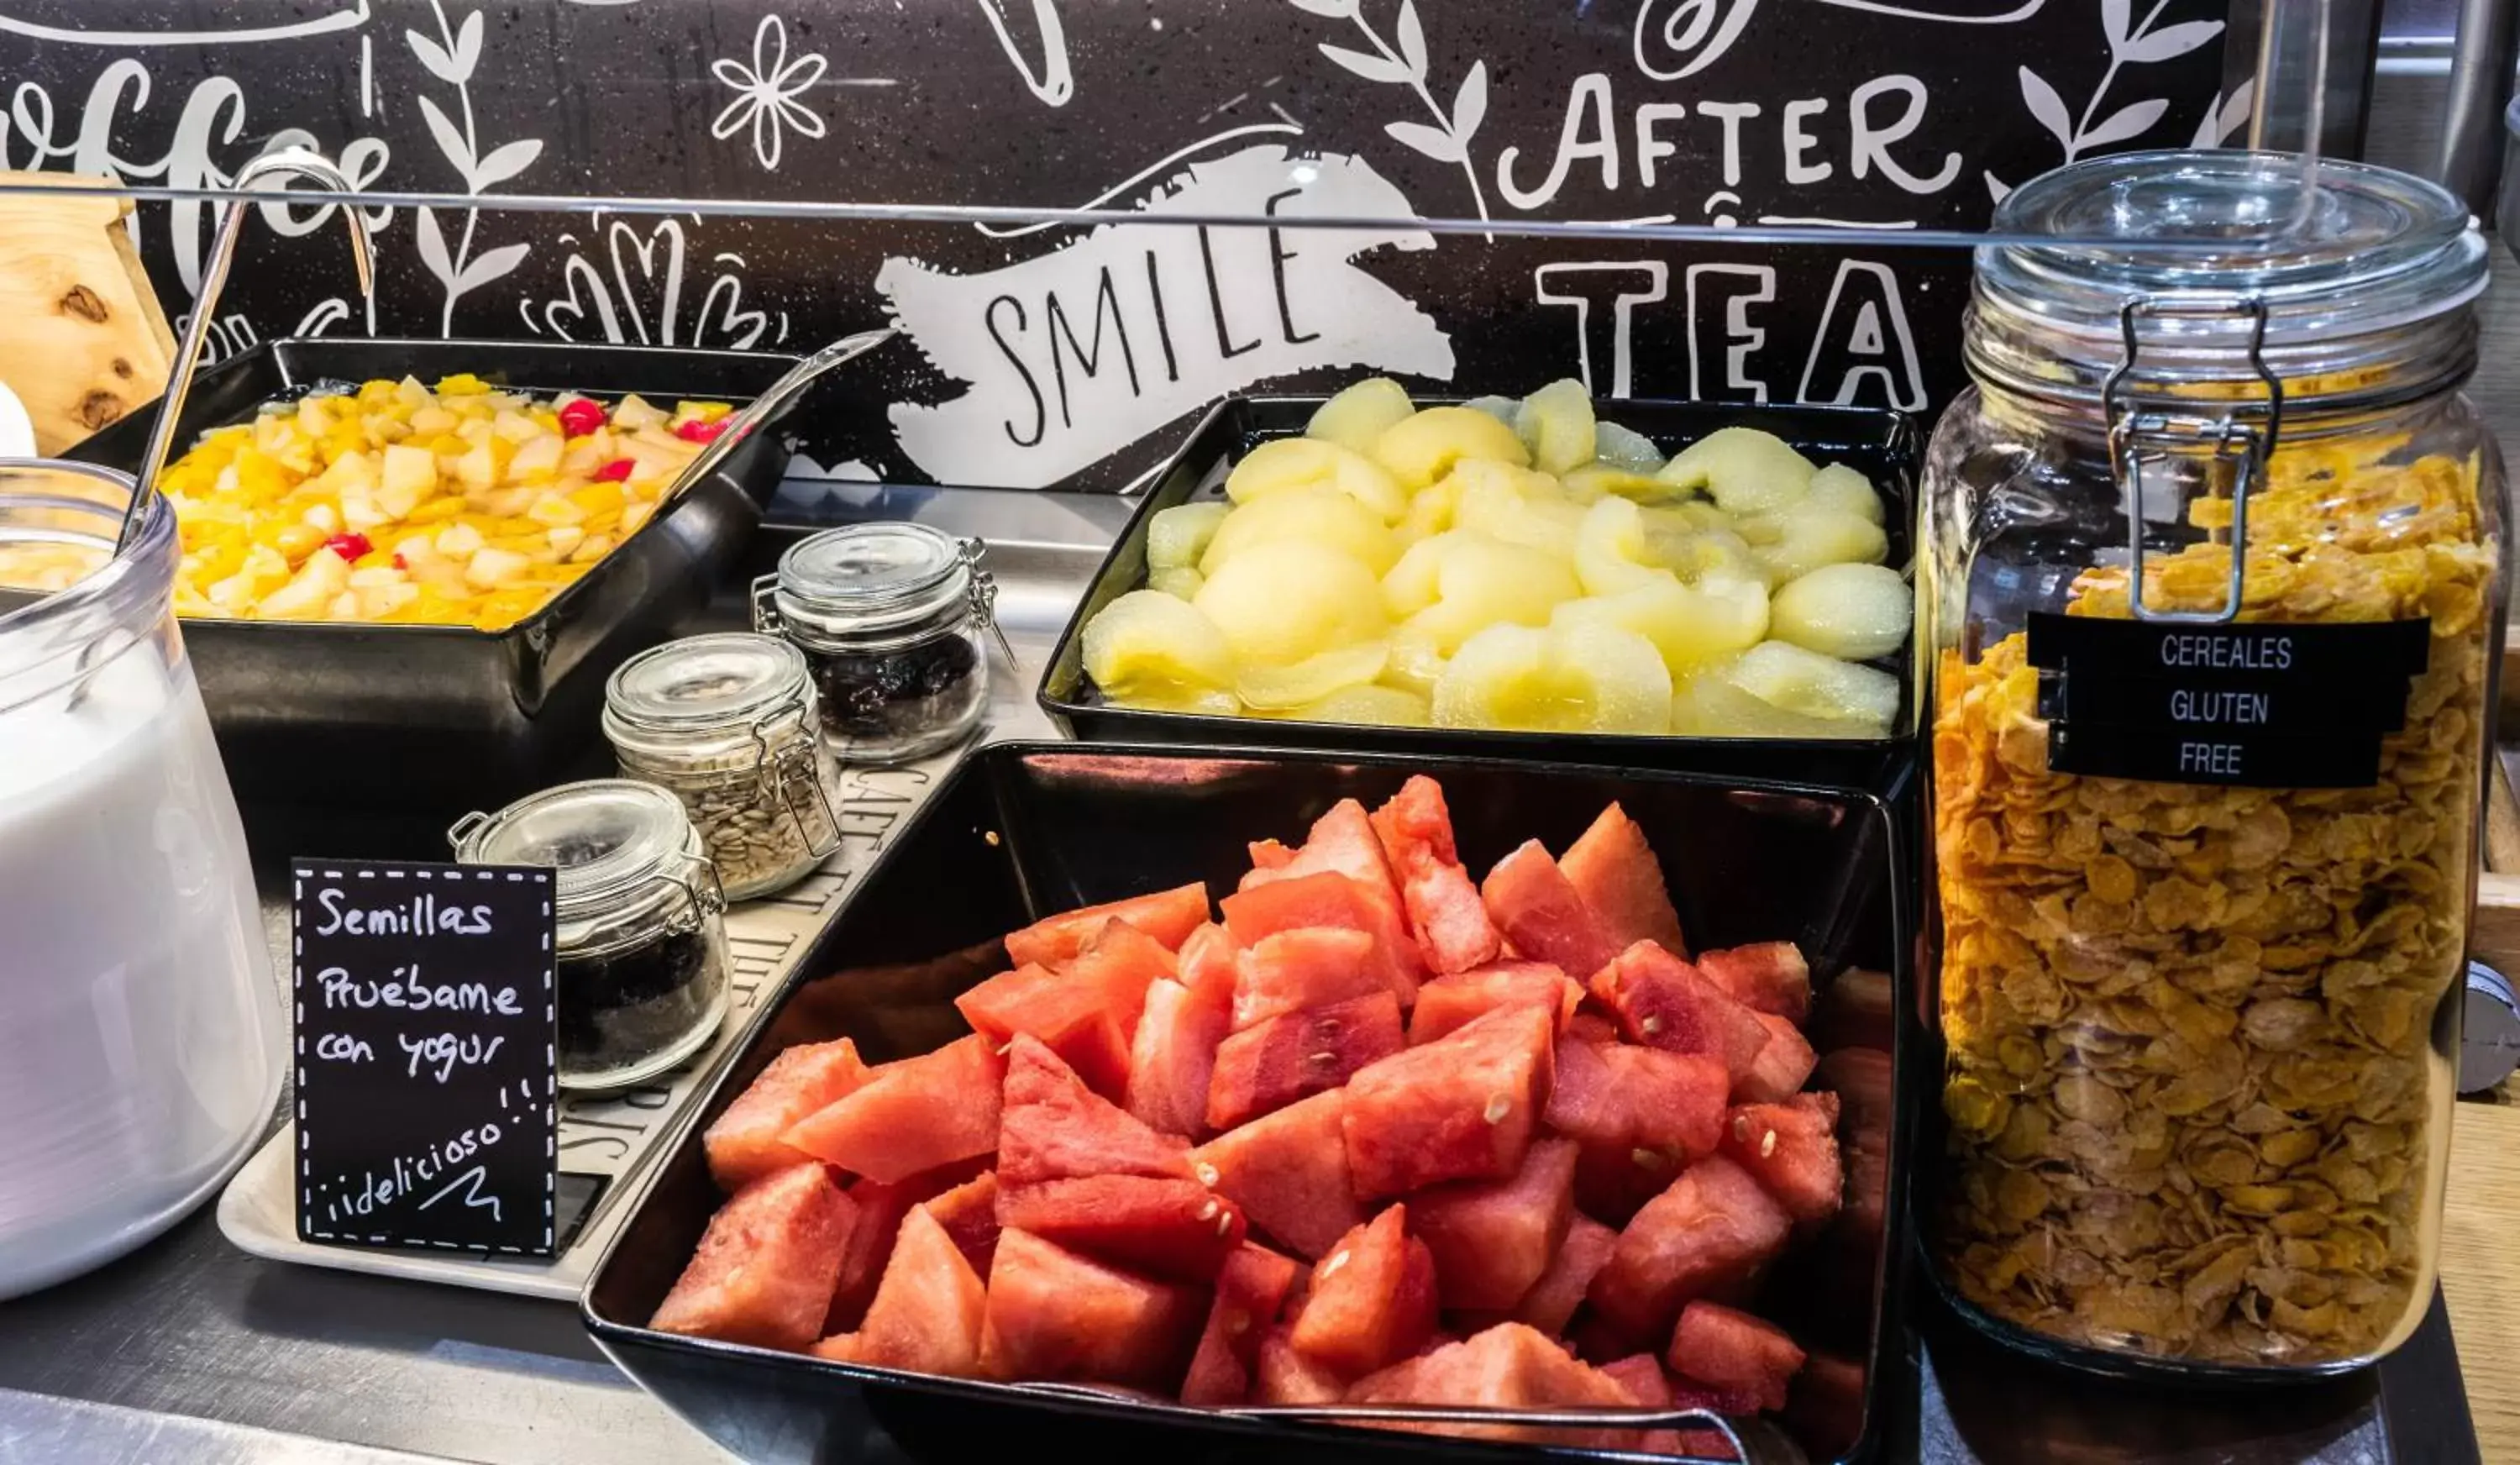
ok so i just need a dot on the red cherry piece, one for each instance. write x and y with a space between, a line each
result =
401 563
615 472
701 430
350 547
581 417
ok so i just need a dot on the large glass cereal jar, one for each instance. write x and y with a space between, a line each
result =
2213 584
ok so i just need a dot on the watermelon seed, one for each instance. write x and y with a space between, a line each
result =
1205 1172
1324 1060
1208 1212
1742 1127
1337 1260
1646 1158
1238 1323
1767 1144
1499 1106
1651 1025
1225 1224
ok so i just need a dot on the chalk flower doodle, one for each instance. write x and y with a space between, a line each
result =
2130 44
626 286
1402 62
451 58
1075 354
766 92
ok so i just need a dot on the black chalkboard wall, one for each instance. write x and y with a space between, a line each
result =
1058 356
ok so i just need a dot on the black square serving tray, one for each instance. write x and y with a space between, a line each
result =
447 718
1887 447
1020 830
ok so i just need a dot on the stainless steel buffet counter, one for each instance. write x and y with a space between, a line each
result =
191 1351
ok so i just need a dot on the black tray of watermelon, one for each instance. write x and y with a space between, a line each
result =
1684 1173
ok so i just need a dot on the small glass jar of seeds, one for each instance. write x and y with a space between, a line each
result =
727 724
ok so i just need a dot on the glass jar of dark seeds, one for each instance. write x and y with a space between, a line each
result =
731 726
640 944
892 619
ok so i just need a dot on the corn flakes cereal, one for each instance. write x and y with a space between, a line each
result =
2191 1080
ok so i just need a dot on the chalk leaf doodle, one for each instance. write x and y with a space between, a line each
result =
1403 62
766 92
451 58
2131 43
1074 355
632 291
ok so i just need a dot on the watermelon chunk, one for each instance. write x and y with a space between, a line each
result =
1250 1290
1283 1374
1120 964
969 1212
764 1267
1178 1230
880 1206
1288 1172
1590 1026
1301 1054
1341 840
1662 1002
1641 1375
925 1316
1706 1236
1448 1003
1768 977
1054 1315
1508 1367
1791 1148
1614 870
1167 916
1550 1302
1532 901
1208 966
1291 970
1617 1096
1332 900
916 1114
1453 932
1372 1300
1057 1128
1492 1239
1461 1108
745 1145
1781 1068
1172 1058
1733 1353
1267 855
1068 1016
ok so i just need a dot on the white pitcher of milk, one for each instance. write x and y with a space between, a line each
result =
140 1042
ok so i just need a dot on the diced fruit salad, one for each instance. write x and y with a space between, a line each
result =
462 506
1368 1130
1517 566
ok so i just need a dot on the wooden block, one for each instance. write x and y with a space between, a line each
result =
82 340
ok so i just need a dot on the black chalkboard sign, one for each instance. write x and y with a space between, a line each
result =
1036 355
425 1015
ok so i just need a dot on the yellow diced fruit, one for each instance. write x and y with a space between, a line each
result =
702 411
478 468
1425 445
564 538
322 515
377 602
599 495
462 384
309 595
411 396
459 541
1555 423
407 471
593 547
536 460
1360 414
635 516
433 421
516 427
491 568
635 412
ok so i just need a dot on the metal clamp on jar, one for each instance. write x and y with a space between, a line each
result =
890 618
641 946
730 725
2213 578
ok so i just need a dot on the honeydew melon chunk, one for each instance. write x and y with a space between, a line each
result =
1805 539
1563 678
1425 445
1482 581
1594 480
1296 462
1843 490
1361 412
1708 703
1502 409
1854 612
1516 506
1555 423
1430 511
1180 584
1178 536
1742 469
1690 625
1151 645
1787 676
1415 581
1372 706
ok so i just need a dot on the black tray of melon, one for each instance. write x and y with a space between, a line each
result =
1346 1162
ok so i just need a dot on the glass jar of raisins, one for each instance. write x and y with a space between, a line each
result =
2212 593
894 620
